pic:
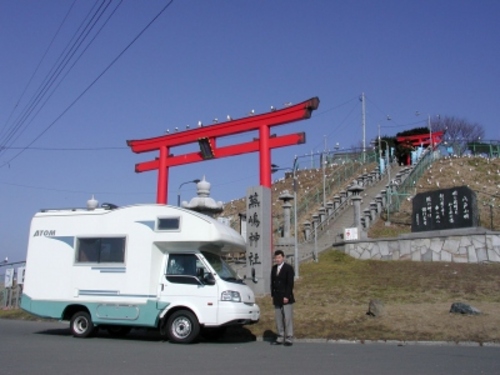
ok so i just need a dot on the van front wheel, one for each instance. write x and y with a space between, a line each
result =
183 327
81 324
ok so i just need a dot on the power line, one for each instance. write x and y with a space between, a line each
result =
335 107
70 68
63 60
91 84
71 191
341 123
106 148
37 67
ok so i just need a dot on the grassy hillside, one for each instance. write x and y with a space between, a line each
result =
333 296
479 174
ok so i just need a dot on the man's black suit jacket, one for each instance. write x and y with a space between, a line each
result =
282 284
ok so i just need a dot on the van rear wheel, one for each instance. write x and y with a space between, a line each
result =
183 327
81 324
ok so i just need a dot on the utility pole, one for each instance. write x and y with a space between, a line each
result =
323 166
296 234
430 130
381 169
363 123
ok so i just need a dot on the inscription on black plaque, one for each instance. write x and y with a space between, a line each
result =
445 209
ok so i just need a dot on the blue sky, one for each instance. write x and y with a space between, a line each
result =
201 60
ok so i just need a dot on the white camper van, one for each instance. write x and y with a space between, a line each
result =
151 265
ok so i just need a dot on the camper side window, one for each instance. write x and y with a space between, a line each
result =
184 269
101 250
170 223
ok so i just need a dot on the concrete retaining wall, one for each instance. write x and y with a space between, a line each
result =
471 245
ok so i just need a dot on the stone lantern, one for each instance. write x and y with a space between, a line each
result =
203 203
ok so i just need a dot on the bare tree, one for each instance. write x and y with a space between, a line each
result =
458 131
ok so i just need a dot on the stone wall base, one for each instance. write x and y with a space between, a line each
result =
470 245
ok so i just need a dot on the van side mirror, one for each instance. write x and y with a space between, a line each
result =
200 273
209 279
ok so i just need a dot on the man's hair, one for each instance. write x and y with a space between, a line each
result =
279 252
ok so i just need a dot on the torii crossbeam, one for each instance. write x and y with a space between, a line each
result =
207 137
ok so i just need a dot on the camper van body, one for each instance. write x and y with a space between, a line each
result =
152 265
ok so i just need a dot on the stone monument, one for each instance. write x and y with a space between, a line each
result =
445 209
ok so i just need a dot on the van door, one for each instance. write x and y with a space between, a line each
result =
183 284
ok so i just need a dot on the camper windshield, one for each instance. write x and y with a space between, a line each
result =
223 269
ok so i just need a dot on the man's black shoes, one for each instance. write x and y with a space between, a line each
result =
288 343
276 343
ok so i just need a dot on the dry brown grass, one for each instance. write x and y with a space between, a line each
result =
479 174
333 295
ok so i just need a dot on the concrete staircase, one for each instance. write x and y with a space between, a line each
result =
334 230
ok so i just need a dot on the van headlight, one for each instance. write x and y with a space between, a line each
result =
230 295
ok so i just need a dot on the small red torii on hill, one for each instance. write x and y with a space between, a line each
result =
207 137
421 139
424 140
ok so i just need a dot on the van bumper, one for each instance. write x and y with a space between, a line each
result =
237 313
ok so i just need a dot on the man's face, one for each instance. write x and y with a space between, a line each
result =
278 259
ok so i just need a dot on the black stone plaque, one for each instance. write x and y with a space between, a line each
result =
445 209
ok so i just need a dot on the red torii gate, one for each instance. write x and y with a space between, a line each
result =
417 140
421 139
207 137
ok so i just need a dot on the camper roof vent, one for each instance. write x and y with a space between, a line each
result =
109 206
92 203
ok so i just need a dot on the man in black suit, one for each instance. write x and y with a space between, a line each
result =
282 279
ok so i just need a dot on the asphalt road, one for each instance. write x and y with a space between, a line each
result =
49 348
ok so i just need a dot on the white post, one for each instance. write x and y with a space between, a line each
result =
324 178
430 130
363 124
295 237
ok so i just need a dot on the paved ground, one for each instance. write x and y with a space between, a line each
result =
44 347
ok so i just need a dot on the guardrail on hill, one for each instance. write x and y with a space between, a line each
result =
309 202
399 192
333 183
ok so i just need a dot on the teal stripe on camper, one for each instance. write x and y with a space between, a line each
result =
66 239
139 315
111 293
109 269
149 223
108 293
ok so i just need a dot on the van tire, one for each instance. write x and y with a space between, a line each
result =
81 324
183 327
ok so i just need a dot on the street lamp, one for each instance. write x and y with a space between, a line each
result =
179 190
276 168
429 125
386 156
388 168
323 166
295 237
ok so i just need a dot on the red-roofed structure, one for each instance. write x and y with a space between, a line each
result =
417 140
